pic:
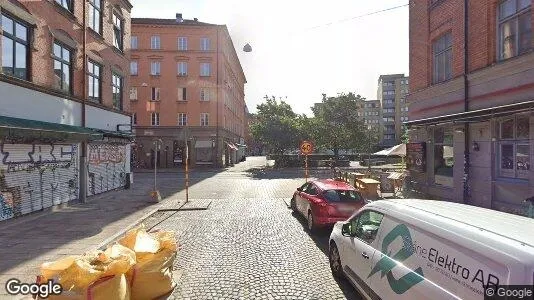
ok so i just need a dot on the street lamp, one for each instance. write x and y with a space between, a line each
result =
369 150
155 193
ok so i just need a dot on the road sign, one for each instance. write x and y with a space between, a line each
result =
306 147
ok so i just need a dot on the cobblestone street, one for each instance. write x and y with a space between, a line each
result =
249 245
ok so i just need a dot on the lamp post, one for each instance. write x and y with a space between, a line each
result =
369 150
155 193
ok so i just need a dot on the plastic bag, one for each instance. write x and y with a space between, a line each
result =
151 277
80 275
109 287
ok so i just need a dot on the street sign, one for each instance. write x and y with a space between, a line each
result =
306 147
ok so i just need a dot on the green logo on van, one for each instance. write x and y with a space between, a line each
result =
388 262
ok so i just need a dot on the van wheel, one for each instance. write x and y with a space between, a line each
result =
311 223
293 204
335 261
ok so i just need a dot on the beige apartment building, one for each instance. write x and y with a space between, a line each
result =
391 93
187 85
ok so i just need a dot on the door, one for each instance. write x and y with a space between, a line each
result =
308 198
359 247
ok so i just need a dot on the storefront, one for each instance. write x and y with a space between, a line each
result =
492 170
39 165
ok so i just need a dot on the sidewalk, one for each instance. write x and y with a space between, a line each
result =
29 241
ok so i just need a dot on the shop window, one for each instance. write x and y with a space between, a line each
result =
514 147
443 153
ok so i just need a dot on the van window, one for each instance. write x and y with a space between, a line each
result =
365 226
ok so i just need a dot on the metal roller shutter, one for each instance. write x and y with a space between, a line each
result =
38 176
107 167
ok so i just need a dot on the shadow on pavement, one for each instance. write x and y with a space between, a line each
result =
75 227
321 238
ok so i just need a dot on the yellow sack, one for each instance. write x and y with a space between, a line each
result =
77 274
106 288
151 277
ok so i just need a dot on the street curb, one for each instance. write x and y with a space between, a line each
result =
114 237
102 246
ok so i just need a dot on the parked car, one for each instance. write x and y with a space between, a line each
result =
324 202
424 249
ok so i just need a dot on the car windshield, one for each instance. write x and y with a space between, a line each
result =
342 196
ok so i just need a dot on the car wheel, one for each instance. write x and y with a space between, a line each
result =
293 204
311 222
335 261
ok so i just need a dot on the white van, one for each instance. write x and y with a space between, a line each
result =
424 249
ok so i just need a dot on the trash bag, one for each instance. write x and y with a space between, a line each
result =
105 288
151 277
80 275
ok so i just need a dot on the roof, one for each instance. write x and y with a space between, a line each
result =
330 184
154 21
40 126
504 224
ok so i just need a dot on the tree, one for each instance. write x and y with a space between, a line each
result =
336 124
405 137
277 126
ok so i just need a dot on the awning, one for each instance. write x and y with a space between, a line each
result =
399 150
116 134
476 115
31 129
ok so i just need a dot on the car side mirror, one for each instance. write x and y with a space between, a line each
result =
299 189
346 229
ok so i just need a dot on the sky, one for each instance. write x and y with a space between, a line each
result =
295 55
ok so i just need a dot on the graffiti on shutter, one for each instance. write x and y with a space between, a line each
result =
37 176
107 168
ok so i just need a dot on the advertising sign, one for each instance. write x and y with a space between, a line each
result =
416 157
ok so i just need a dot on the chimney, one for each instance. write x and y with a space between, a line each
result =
179 18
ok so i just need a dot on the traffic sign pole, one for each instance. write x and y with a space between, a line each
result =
306 168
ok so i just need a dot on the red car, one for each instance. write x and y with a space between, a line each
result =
325 202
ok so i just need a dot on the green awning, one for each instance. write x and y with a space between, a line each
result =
116 134
29 130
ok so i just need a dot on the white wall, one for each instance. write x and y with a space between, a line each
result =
19 102
103 119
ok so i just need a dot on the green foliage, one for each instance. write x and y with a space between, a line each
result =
278 127
405 137
336 124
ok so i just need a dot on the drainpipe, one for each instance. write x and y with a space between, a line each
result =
83 156
466 194
217 143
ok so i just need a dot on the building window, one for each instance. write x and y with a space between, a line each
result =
204 119
134 119
154 120
182 119
67 4
118 32
182 68
155 42
389 119
116 84
155 95
442 54
62 67
134 42
94 72
182 94
133 68
204 44
514 147
389 110
389 101
389 137
133 93
515 28
95 15
443 152
386 93
204 94
182 43
15 47
205 69
155 68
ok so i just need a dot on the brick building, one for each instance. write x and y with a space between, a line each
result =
60 118
471 101
187 84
